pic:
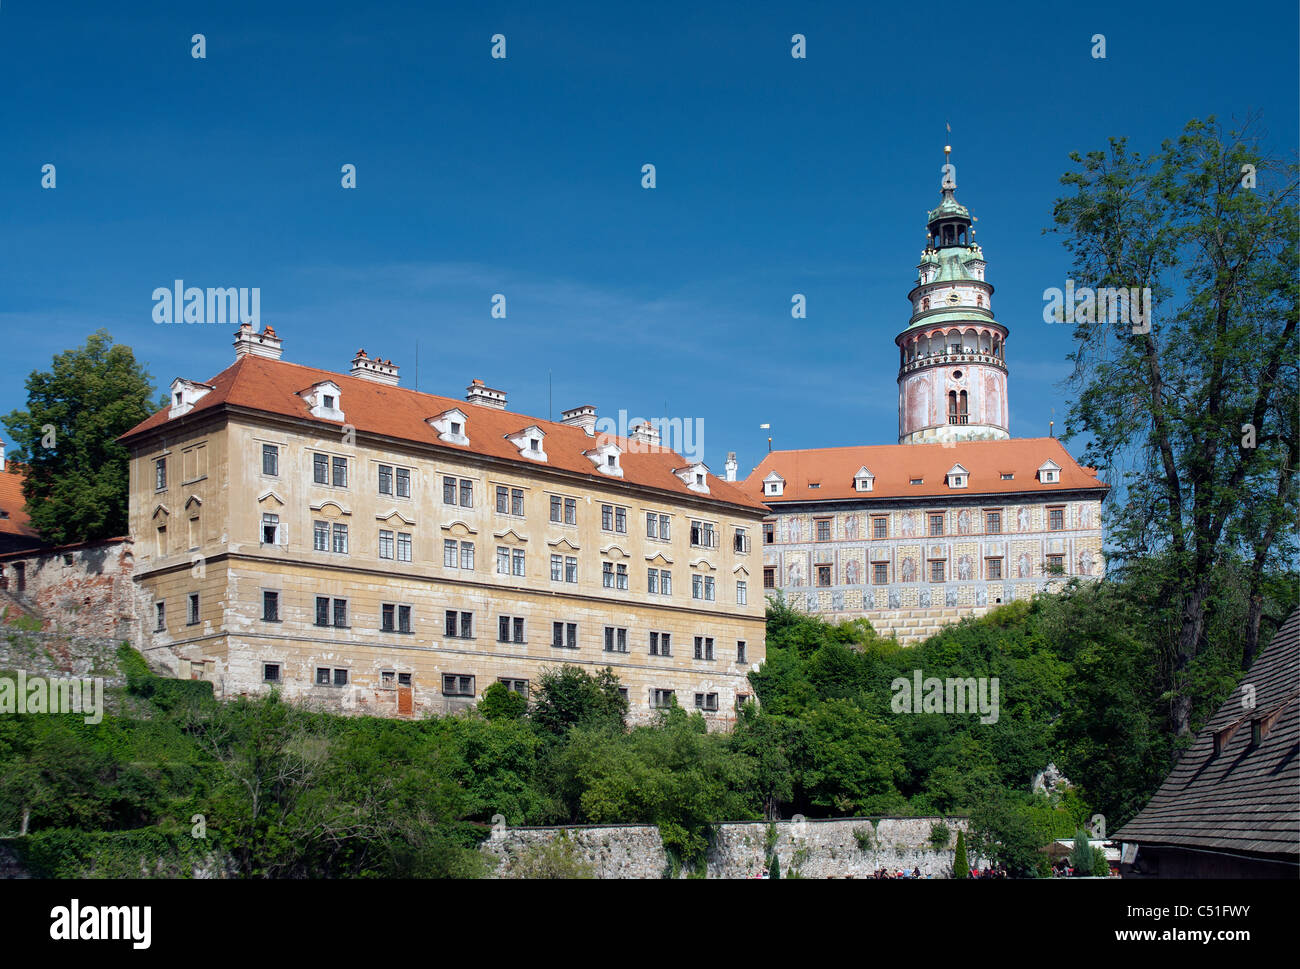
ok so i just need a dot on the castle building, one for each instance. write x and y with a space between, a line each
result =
955 518
373 549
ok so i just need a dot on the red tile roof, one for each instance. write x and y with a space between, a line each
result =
12 501
273 387
894 465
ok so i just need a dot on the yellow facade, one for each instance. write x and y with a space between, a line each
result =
203 533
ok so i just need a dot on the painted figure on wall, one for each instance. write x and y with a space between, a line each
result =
925 598
796 573
851 527
909 524
895 602
1026 570
963 521
909 570
1085 562
795 530
964 567
1022 518
950 598
1085 516
851 572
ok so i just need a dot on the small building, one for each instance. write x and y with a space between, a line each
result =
1231 806
16 532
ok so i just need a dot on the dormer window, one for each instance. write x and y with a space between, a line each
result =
695 477
1049 473
773 485
185 394
957 476
606 458
450 426
529 441
864 480
323 399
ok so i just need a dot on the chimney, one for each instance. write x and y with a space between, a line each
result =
250 343
646 433
477 393
731 465
583 417
2 455
380 371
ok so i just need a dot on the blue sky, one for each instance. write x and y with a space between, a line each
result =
522 176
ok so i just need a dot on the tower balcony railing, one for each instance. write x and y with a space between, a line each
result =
948 358
958 418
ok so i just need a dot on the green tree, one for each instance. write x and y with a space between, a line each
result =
1081 854
960 866
1191 410
572 697
502 703
77 482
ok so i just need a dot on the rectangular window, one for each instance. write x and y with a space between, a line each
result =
823 526
740 542
385 479
555 508
194 608
160 474
403 619
467 555
704 647
388 617
320 536
557 568
271 672
665 582
652 581
993 522
466 493
454 684
323 675
160 614
271 460
570 568
340 538
661 644
880 573
517 508
322 611
385 543
607 518
270 529
459 625
515 686
879 526
620 520
503 500
503 560
331 612
340 468
697 586
742 593
651 525
510 629
706 701
769 533
661 699
769 578
622 576
936 523
270 606
517 561
320 468
403 546
340 677
702 535
1055 565
615 639
340 612
1056 519
403 484
665 529
607 575
740 651
823 575
708 588
936 571
570 511
993 568
448 490
564 635
449 553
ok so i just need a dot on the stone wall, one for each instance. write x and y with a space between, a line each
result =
839 848
83 590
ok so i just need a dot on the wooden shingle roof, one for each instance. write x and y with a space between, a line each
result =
1244 799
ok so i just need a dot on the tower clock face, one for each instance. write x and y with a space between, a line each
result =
954 299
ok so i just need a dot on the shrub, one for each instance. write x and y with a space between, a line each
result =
939 835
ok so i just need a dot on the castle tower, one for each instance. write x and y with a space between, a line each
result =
952 376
